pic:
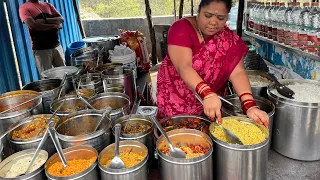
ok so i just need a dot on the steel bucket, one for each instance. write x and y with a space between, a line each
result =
38 174
145 138
78 129
199 168
259 90
138 172
49 87
295 132
119 103
239 162
127 80
76 152
32 143
71 104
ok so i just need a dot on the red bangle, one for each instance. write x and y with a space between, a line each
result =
249 105
199 86
247 100
245 94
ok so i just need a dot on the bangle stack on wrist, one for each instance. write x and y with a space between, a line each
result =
204 90
248 103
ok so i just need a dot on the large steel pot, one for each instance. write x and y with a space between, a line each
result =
240 162
59 72
119 103
145 138
199 168
138 172
11 99
263 103
180 118
259 90
49 88
78 129
127 80
38 174
32 143
295 132
70 105
76 152
1 151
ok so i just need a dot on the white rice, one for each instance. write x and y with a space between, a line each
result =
305 92
20 166
257 80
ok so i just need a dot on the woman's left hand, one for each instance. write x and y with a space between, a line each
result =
259 116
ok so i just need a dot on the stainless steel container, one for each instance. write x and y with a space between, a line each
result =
59 72
32 143
180 118
110 68
259 90
38 174
11 99
113 88
76 152
78 129
145 138
1 151
296 133
91 81
71 104
85 57
199 168
49 87
239 162
127 80
85 93
119 103
263 103
138 172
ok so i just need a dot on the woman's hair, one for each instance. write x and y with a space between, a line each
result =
204 3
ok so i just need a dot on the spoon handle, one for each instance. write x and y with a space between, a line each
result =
133 111
43 140
105 113
156 122
57 144
62 85
117 139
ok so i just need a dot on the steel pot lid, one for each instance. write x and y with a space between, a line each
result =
59 72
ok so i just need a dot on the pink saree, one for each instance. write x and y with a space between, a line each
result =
174 97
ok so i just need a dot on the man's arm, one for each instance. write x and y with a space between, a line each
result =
56 20
37 26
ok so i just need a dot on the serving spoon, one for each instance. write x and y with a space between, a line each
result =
116 162
231 137
173 151
282 89
133 111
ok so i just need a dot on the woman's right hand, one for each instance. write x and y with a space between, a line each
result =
212 107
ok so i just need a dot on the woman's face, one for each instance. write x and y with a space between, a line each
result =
212 18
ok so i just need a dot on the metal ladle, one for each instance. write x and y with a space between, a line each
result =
173 152
232 138
50 131
79 96
282 89
116 162
105 113
133 111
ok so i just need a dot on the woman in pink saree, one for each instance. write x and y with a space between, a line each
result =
203 54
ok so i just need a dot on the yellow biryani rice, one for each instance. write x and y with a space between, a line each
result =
249 134
129 159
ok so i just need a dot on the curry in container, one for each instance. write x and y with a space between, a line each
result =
31 129
190 123
134 127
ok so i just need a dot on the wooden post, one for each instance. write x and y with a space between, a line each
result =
76 10
152 33
181 9
191 7
240 17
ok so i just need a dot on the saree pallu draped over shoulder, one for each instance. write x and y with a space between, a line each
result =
214 63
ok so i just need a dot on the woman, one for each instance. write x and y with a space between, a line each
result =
203 54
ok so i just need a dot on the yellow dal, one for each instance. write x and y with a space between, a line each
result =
249 134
